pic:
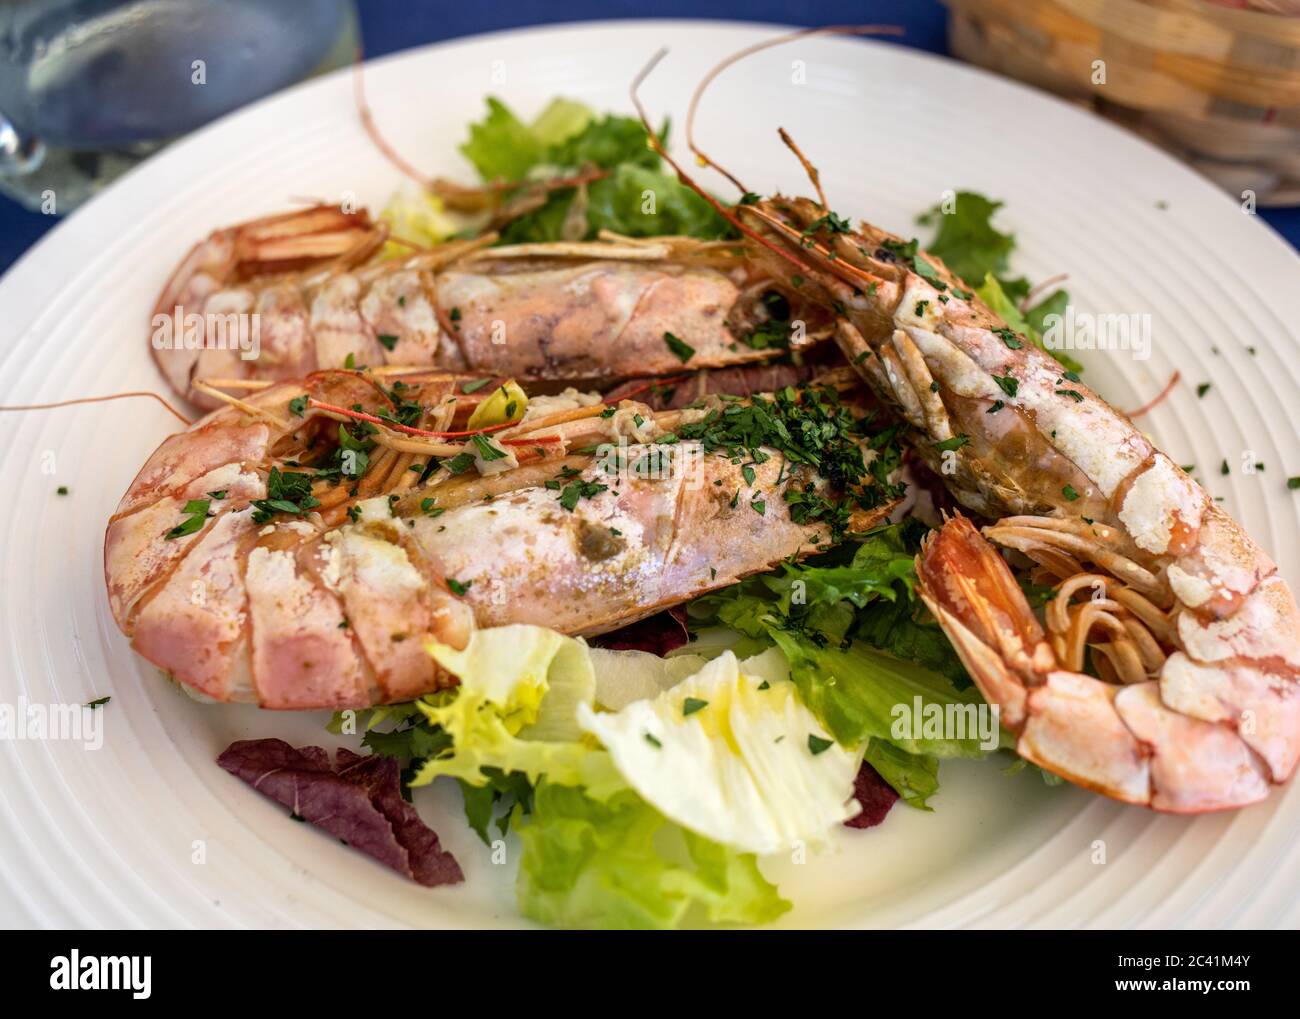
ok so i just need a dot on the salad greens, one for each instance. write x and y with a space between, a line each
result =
591 864
642 789
634 197
858 642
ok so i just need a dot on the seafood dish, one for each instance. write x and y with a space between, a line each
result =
646 514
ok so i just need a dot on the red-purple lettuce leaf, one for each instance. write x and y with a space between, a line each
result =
358 799
876 796
658 634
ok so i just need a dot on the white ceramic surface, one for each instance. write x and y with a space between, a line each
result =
109 837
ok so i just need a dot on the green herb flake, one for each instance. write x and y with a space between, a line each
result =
682 350
486 450
195 512
692 705
1009 384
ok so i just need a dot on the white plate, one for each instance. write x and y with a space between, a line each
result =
111 837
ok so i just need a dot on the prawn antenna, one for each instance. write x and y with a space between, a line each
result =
101 399
758 47
372 129
722 210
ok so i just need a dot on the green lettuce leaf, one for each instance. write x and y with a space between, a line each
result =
636 198
501 146
967 241
915 777
561 120
591 864
854 691
515 711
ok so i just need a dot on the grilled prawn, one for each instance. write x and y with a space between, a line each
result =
1195 704
280 297
297 548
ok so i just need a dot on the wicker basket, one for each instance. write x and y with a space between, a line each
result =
1216 83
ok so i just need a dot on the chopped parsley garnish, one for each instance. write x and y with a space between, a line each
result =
1223 468
1007 383
650 738
298 406
692 705
98 702
286 492
61 490
486 450
948 445
818 745
474 385
388 340
831 222
1009 337
579 489
1069 492
1293 483
219 494
997 406
1202 389
457 588
810 427
454 314
196 512
460 463
897 251
1073 394
930 274
682 350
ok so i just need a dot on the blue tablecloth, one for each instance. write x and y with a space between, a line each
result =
389 25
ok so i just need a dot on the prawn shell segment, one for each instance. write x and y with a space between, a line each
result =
659 533
280 297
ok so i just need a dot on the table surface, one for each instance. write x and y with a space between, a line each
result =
389 25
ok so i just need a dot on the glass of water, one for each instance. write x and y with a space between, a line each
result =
88 88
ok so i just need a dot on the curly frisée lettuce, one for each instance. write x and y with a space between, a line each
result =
592 823
634 197
515 711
